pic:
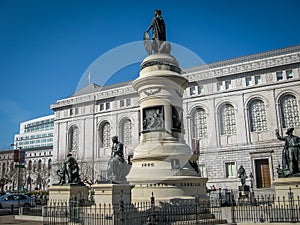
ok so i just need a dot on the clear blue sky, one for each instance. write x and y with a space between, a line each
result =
47 45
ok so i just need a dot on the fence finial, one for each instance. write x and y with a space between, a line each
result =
152 199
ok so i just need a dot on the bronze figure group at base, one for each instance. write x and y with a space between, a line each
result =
116 172
117 167
69 172
290 154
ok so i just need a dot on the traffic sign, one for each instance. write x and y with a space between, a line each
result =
16 155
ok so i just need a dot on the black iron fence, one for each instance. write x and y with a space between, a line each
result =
267 209
193 211
208 210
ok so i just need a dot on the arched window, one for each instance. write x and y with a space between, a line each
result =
228 122
199 120
126 132
104 133
289 111
3 169
39 167
257 115
49 164
30 165
73 137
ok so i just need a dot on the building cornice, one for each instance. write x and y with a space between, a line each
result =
215 70
259 64
83 99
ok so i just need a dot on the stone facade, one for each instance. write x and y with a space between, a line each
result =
230 112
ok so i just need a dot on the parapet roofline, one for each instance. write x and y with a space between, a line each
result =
92 88
243 59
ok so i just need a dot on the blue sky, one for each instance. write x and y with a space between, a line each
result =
47 45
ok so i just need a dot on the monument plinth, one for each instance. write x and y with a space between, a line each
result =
163 163
285 187
112 193
65 193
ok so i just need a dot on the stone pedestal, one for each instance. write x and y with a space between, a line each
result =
63 193
244 191
163 163
285 187
111 193
172 188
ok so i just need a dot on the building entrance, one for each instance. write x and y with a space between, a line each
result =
262 172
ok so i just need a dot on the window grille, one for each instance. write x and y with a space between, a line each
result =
258 118
200 123
228 122
289 111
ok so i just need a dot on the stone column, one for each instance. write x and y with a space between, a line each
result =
161 160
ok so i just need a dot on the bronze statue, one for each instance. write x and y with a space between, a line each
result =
159 44
69 172
158 27
290 153
117 166
72 169
117 149
242 175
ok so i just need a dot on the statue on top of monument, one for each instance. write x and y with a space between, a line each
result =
158 44
290 153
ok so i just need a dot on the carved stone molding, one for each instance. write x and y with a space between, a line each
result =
94 96
152 91
244 67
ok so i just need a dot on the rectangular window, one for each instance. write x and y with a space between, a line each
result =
128 102
83 110
76 111
71 112
228 84
257 79
101 107
230 169
279 75
107 105
200 89
219 86
192 90
289 74
248 81
122 103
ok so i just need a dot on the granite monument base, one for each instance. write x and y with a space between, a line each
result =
244 191
112 193
287 187
174 188
65 193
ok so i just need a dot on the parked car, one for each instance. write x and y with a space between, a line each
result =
16 200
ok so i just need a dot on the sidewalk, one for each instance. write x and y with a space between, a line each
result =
10 219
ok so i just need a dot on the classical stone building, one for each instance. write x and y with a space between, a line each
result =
8 172
231 110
